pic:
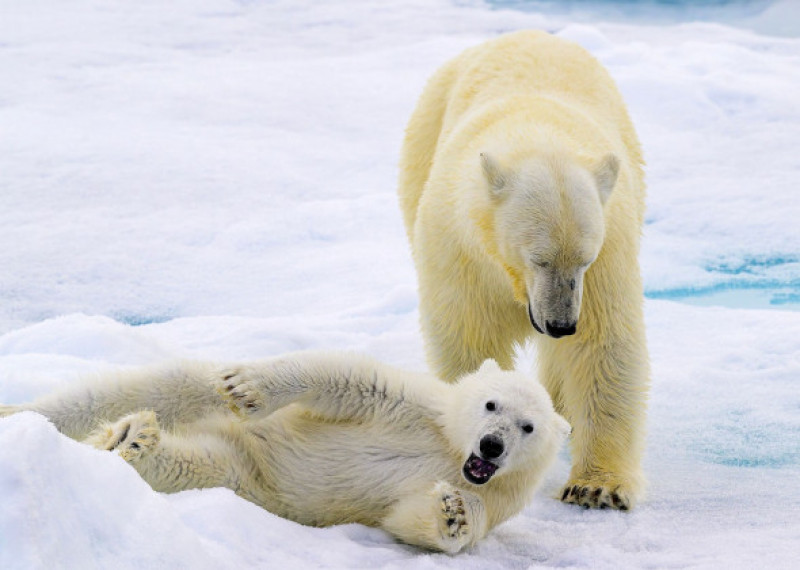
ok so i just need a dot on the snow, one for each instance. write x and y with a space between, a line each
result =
216 179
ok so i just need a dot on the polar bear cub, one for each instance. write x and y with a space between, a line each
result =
328 438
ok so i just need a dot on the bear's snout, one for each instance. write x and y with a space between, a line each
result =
558 329
491 446
533 321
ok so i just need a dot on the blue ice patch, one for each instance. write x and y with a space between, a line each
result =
741 441
136 320
677 10
745 13
752 282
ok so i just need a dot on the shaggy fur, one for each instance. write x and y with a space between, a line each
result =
326 439
522 192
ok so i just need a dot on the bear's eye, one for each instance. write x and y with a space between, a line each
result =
491 406
527 428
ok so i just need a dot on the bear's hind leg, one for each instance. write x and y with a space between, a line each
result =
173 462
131 436
444 518
7 410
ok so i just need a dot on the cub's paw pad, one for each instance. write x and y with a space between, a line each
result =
239 393
131 437
454 515
597 495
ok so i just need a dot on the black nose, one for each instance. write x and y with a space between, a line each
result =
491 447
557 330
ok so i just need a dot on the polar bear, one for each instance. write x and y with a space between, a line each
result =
522 191
329 438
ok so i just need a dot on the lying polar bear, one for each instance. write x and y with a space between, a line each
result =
329 438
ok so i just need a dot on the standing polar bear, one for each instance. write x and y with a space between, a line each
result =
329 439
522 192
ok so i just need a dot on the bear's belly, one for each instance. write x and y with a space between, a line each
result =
326 473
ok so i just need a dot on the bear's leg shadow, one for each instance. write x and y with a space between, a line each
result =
442 518
171 462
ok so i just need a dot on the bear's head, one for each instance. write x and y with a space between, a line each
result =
548 227
502 422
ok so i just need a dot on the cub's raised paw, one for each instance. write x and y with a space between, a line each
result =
453 522
598 494
239 393
132 436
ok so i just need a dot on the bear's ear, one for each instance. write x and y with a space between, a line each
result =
605 175
495 176
489 365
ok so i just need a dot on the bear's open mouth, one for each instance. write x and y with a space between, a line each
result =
478 471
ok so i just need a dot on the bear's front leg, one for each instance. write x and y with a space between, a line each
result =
458 338
445 518
336 386
603 395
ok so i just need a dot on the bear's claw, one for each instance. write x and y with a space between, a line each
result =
454 527
597 496
454 515
239 394
131 437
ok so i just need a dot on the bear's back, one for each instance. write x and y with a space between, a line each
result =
529 77
530 70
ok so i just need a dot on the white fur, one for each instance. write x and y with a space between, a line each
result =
326 439
522 191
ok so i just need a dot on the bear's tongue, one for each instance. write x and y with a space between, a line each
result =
478 471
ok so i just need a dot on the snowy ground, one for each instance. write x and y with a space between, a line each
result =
216 179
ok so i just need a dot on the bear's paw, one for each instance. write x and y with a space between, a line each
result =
454 527
131 437
241 395
603 494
